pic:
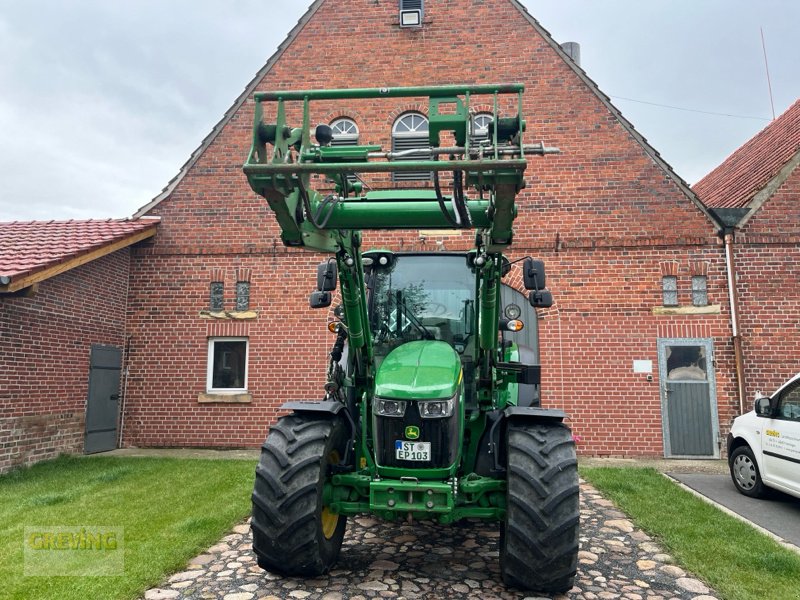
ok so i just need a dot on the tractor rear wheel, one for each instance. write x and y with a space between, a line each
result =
539 537
293 532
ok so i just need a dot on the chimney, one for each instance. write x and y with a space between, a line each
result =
573 50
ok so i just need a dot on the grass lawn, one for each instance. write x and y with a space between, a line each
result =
170 509
736 560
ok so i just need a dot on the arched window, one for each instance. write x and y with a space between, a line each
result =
345 132
479 131
410 131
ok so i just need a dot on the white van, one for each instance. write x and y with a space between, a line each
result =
764 444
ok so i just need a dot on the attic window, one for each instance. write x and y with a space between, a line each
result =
410 132
345 132
411 13
480 129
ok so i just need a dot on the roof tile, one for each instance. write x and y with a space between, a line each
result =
745 172
30 246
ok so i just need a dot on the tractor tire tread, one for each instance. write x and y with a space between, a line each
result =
539 541
286 536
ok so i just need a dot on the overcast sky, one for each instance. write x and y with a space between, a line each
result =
102 101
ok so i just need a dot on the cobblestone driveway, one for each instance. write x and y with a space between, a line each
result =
384 560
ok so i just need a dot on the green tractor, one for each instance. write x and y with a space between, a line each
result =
428 412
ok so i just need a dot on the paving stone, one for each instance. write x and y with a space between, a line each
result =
160 594
424 560
693 585
185 575
239 596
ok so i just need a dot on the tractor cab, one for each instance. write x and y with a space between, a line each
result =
420 297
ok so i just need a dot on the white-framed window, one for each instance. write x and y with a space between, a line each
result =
227 365
345 132
410 132
479 129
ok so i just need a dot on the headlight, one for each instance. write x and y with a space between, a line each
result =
437 409
389 408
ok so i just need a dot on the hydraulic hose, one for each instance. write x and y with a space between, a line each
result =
440 199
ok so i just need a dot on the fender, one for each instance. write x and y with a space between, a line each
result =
491 451
328 407
534 413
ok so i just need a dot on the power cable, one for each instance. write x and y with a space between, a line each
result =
703 112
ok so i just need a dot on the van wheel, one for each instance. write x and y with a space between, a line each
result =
745 474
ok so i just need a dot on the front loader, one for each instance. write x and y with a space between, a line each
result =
427 412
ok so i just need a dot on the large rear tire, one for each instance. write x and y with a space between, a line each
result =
539 537
293 532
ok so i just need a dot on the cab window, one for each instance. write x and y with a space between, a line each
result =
789 405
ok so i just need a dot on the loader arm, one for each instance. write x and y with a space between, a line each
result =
283 159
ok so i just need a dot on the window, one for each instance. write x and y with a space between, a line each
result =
699 290
687 363
789 405
345 132
227 365
217 296
669 286
480 129
242 295
410 132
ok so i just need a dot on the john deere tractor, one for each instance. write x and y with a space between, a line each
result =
427 413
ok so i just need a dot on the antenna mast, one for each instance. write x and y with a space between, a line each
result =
766 64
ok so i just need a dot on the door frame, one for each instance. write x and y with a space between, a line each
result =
708 344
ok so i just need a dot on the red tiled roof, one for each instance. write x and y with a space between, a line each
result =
745 172
32 246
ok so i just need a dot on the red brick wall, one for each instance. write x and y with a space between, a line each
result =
45 344
767 255
602 213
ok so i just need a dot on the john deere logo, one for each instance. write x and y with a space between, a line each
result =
412 432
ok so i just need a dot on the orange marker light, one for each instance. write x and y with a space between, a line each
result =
515 325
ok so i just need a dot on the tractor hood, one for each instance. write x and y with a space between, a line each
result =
422 370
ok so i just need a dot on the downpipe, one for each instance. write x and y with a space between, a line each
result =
733 299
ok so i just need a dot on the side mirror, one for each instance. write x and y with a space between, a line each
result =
320 299
763 407
533 274
326 276
541 299
505 267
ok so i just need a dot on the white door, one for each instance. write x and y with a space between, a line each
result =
780 441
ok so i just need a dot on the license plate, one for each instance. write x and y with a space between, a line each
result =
412 450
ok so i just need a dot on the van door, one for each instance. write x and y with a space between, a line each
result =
780 441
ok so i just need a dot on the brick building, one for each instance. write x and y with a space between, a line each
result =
755 193
63 292
637 347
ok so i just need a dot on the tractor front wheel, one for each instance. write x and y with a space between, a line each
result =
539 537
294 533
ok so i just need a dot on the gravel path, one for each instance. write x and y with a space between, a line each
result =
386 560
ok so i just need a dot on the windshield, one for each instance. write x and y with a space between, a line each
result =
419 297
